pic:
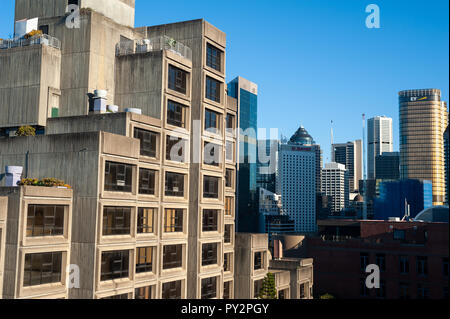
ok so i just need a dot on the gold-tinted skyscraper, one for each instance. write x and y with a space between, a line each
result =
423 120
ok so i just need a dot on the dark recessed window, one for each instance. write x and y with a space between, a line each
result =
148 142
171 290
209 254
174 184
146 220
210 187
144 293
364 261
209 288
147 181
258 261
399 234
227 262
213 57
172 256
212 154
227 290
175 149
144 259
381 261
257 287
118 177
44 29
212 121
302 291
404 290
228 206
116 221
210 220
75 2
229 177
228 233
176 114
213 89
45 220
173 220
422 266
42 268
230 121
404 264
115 265
177 79
381 292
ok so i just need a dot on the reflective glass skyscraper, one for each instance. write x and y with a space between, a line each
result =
423 120
246 94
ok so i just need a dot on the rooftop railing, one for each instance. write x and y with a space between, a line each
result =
21 42
153 44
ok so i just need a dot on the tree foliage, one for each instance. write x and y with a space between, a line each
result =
268 290
26 131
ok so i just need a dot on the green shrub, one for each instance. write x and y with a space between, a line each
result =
26 131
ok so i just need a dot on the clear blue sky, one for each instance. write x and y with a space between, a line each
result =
314 60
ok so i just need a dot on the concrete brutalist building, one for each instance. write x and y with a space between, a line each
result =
149 214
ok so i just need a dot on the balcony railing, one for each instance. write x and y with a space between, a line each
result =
21 42
153 44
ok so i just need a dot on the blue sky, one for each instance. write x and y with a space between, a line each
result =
315 60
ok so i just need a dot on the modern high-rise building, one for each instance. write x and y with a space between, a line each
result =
387 166
395 195
297 173
446 158
302 137
379 140
246 94
351 155
266 175
423 120
335 185
150 214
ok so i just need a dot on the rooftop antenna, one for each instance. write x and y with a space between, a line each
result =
364 166
332 142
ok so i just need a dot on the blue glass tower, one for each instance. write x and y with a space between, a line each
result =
392 195
246 94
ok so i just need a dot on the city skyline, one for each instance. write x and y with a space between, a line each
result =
363 55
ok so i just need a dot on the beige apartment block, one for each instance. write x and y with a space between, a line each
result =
3 213
153 217
293 277
301 277
36 246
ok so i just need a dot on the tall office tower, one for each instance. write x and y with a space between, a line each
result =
379 140
153 189
302 137
446 158
266 174
350 155
297 173
423 120
246 94
387 166
334 184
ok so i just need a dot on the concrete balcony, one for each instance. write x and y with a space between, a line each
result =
20 42
160 43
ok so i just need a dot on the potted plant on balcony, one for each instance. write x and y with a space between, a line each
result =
26 131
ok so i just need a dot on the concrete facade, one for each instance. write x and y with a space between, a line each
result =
80 147
19 243
29 74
